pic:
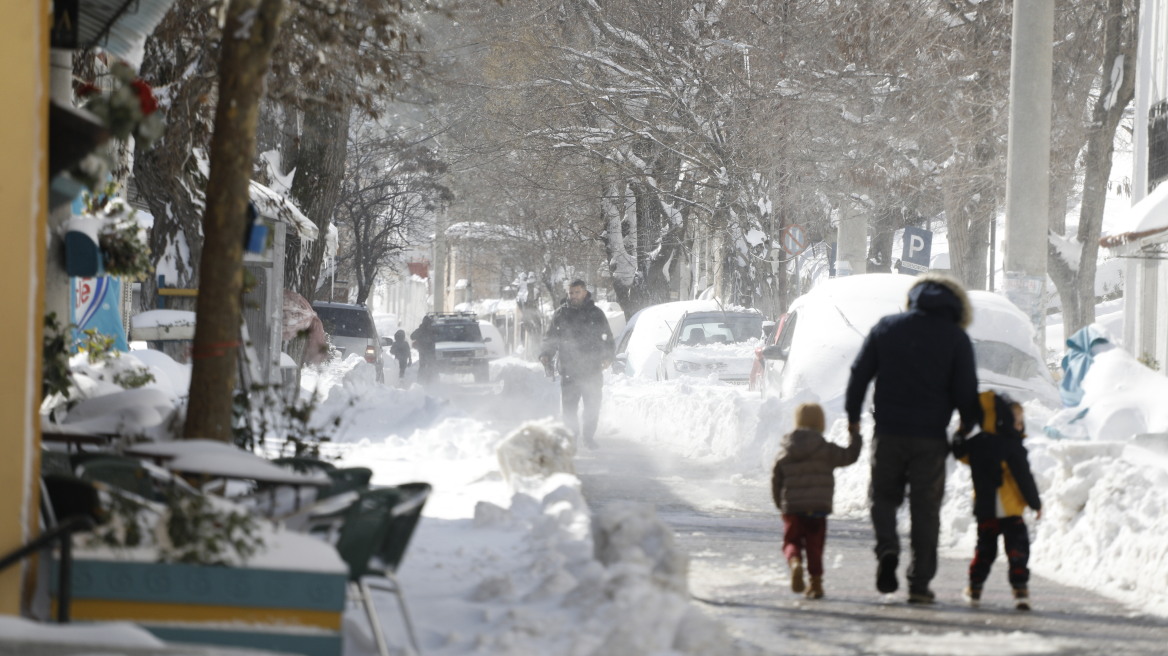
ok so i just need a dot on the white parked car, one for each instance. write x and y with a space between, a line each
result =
637 355
712 343
816 341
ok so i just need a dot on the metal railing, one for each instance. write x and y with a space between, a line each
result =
61 533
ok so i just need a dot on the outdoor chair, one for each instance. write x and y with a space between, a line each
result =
56 462
123 473
346 479
374 534
305 464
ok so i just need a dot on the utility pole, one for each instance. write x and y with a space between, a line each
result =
438 267
1028 160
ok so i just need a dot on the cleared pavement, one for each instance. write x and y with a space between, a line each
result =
733 537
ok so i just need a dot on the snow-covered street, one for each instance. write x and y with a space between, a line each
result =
680 486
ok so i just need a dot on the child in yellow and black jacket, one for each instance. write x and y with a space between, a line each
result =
1003 486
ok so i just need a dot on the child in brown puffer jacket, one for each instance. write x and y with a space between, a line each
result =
802 485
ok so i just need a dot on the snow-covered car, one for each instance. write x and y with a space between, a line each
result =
637 355
459 345
821 333
719 344
496 345
351 329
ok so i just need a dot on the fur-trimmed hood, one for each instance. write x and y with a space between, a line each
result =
936 293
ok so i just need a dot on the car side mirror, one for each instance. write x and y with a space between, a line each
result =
387 341
663 347
774 352
486 339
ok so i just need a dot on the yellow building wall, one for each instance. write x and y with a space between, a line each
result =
24 49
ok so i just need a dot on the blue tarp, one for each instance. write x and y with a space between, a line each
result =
1077 361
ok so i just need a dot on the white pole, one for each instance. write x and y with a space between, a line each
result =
1028 160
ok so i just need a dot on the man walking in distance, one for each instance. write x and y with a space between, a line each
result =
580 334
924 368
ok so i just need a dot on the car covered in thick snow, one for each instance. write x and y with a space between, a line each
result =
637 355
718 344
815 342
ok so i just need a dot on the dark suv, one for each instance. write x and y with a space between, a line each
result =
351 330
459 345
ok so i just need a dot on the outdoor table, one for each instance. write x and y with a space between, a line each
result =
75 440
213 459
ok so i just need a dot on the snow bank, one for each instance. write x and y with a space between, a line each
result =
1105 499
509 558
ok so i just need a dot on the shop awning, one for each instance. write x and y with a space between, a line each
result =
1145 225
119 27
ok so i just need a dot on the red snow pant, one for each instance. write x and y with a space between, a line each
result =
1017 542
804 533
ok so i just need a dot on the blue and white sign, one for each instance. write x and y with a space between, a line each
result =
918 243
97 305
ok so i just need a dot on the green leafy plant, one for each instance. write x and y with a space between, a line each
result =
135 378
55 377
263 411
199 533
97 347
124 249
184 527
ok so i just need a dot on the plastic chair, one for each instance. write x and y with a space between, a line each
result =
375 531
56 462
305 465
123 473
346 479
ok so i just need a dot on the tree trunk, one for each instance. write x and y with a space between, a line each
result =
249 35
320 169
1105 118
167 176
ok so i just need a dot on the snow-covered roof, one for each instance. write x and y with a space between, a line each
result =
482 231
272 205
1146 218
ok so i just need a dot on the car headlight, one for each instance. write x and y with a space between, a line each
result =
684 367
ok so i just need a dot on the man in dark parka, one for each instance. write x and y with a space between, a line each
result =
579 333
924 367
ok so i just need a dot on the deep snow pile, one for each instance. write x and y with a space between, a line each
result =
509 559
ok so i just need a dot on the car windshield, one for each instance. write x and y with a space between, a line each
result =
1004 359
457 332
699 330
345 322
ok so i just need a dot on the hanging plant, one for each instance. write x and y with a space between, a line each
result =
124 250
127 108
121 240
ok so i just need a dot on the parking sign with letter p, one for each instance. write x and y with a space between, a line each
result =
918 244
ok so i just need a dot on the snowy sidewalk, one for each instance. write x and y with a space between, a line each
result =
733 536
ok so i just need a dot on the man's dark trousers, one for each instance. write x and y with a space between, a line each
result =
919 463
586 387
